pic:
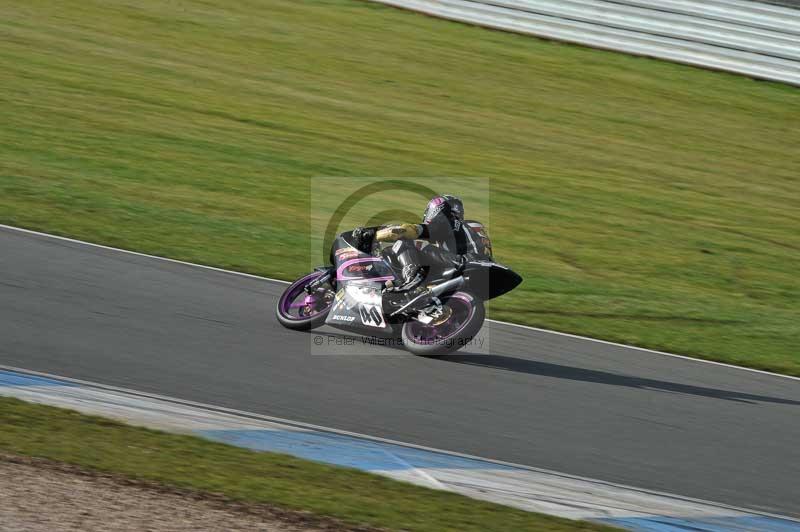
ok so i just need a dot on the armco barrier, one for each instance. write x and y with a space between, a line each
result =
757 40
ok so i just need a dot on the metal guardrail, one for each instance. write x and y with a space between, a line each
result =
757 40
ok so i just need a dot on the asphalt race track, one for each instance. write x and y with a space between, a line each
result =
540 399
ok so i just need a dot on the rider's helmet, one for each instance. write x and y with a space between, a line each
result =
444 209
443 216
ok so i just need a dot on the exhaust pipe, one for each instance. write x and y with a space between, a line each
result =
452 284
436 291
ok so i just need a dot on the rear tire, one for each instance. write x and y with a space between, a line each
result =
453 341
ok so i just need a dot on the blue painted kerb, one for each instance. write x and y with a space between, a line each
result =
375 456
750 523
345 451
11 378
369 455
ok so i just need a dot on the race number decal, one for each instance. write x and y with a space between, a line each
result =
372 316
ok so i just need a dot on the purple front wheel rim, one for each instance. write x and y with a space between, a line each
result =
287 300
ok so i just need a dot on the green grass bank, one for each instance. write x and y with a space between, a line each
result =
644 202
351 496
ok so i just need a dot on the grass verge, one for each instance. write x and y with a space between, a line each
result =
643 202
181 461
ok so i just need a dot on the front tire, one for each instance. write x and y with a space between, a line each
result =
300 316
466 320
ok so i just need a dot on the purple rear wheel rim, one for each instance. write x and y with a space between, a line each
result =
287 301
463 310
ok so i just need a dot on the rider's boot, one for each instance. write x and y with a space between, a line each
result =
412 273
409 295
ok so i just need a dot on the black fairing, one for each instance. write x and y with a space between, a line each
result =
488 280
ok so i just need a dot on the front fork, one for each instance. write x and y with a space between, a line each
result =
327 276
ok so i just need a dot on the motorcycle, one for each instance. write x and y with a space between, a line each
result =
349 295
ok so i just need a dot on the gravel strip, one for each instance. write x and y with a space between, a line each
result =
38 495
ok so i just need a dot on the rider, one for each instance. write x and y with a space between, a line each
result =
452 242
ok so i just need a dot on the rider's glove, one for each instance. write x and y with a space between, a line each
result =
393 233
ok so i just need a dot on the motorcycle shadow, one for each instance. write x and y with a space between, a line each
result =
559 371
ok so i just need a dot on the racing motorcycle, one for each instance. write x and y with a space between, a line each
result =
349 295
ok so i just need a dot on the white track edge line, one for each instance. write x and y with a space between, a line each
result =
377 439
137 253
261 277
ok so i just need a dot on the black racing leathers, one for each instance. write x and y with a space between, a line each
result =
452 246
